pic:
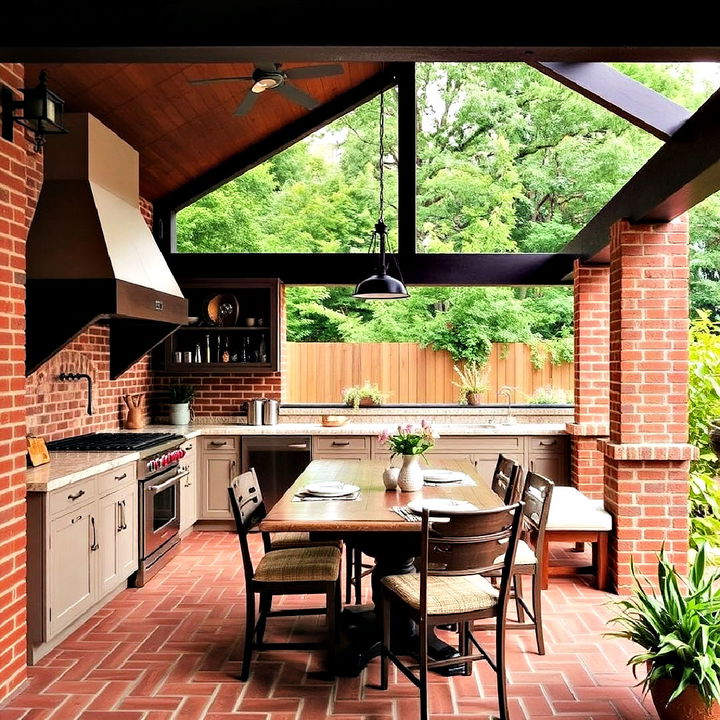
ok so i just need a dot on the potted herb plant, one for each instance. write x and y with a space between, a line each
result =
365 395
473 382
679 630
180 397
411 442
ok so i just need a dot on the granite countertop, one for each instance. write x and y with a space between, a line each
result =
65 468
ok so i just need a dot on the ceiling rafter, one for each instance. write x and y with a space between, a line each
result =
620 94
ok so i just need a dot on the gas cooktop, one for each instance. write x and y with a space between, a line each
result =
113 441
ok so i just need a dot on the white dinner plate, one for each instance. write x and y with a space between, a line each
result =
440 475
446 506
330 489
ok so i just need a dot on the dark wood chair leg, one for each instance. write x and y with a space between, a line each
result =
386 643
264 607
501 675
518 590
601 560
249 633
545 569
465 647
423 670
349 554
331 601
357 575
537 612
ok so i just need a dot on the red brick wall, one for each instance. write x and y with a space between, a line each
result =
592 376
146 210
224 394
20 175
647 455
59 409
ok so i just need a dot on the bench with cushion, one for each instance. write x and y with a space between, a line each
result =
575 518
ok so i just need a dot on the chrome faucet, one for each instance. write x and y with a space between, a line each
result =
506 390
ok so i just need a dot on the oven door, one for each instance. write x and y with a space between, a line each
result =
161 510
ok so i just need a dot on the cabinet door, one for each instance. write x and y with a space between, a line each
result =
127 536
71 577
189 488
548 456
218 468
108 531
486 462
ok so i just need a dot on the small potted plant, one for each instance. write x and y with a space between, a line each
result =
411 442
365 395
679 629
180 397
473 382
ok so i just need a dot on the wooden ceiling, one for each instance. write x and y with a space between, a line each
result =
181 130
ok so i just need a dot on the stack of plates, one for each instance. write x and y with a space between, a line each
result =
443 476
330 489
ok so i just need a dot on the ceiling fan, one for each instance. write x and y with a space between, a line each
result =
270 76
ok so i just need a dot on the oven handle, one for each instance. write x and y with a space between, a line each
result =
168 483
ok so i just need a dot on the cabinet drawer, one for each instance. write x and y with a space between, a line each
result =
479 443
341 443
116 478
224 443
72 496
548 442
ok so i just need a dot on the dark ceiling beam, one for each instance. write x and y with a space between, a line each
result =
682 173
278 141
501 270
620 94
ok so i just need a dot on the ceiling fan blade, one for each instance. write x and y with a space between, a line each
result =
298 96
210 81
315 71
266 66
246 104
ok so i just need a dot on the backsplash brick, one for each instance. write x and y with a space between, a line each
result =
59 409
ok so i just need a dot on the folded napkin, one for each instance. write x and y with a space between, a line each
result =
308 497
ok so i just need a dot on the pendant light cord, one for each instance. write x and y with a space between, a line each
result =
381 168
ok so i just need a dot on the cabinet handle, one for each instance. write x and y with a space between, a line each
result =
338 444
121 508
217 443
532 466
187 448
546 444
94 545
77 495
298 446
77 519
121 477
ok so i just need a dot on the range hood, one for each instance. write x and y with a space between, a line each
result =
90 255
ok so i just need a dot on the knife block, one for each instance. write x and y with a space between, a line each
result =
135 419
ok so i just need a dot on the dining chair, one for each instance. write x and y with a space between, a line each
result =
452 587
530 556
507 480
291 571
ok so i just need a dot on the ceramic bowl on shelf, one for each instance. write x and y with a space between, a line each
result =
334 420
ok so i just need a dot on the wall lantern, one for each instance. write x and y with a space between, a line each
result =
40 111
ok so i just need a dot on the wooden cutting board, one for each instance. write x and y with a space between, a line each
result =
37 451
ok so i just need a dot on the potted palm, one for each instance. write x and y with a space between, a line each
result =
678 628
473 382
180 397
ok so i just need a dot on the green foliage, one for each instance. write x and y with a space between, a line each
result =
180 393
704 511
367 391
679 629
558 350
548 395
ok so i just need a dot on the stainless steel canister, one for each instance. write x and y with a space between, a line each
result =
270 412
255 412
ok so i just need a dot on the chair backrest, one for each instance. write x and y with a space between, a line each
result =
248 510
471 544
507 480
536 498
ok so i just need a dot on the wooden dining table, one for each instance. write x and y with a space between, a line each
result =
371 511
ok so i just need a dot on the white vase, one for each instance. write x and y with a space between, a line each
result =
390 478
410 477
179 413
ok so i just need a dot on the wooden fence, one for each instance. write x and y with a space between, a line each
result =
318 372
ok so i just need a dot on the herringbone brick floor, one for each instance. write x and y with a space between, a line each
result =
171 651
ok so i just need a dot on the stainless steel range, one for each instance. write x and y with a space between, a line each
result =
159 474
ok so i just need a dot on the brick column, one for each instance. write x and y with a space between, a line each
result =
647 455
20 178
592 376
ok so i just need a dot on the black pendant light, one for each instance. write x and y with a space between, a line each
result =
381 286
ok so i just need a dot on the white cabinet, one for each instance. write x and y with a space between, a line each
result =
117 538
219 463
189 487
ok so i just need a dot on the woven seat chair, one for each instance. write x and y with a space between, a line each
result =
507 481
290 571
451 587
530 556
